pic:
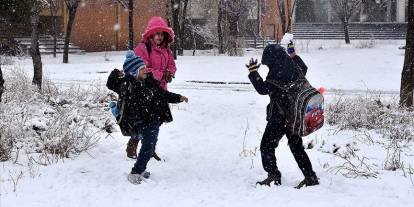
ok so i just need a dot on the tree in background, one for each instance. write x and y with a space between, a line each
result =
1 82
219 26
13 13
407 78
307 11
344 10
129 4
54 7
233 10
72 6
179 22
286 8
183 25
36 7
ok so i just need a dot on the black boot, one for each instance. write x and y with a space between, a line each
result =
308 181
131 149
276 178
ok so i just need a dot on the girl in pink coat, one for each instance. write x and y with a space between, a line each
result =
155 52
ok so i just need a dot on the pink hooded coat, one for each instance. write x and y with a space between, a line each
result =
161 59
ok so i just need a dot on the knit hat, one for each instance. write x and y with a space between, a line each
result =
133 64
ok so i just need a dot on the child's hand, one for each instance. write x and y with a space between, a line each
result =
291 49
184 99
168 76
253 66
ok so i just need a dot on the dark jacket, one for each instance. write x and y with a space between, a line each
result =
283 71
146 101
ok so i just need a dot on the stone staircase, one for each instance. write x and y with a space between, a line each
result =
46 45
380 31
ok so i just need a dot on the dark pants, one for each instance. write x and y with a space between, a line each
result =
271 137
149 134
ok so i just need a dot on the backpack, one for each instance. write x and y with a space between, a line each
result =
126 126
306 107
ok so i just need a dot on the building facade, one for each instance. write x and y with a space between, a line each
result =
102 25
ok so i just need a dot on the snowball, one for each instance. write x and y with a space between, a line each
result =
287 38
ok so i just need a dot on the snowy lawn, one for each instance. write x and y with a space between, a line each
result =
209 161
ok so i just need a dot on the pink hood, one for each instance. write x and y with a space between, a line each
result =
157 24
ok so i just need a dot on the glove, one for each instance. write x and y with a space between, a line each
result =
168 77
290 48
253 66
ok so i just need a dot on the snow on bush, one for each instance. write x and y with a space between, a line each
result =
370 113
51 125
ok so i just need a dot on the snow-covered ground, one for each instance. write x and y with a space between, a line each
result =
209 161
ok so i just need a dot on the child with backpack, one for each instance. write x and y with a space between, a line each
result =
154 51
286 74
143 108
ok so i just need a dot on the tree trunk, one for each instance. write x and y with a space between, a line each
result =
290 9
389 7
1 82
346 31
407 78
259 18
72 14
34 48
182 29
219 27
282 15
175 9
233 15
131 24
54 35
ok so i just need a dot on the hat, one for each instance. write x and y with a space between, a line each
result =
133 64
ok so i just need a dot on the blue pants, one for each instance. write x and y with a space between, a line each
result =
149 134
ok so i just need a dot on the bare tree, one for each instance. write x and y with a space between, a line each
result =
72 6
344 10
1 82
233 11
129 4
183 25
179 23
175 12
407 79
54 7
36 8
131 24
286 8
219 26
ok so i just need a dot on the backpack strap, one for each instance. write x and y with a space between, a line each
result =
123 96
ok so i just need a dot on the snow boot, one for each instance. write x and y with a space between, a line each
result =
308 181
131 149
271 178
146 174
135 178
